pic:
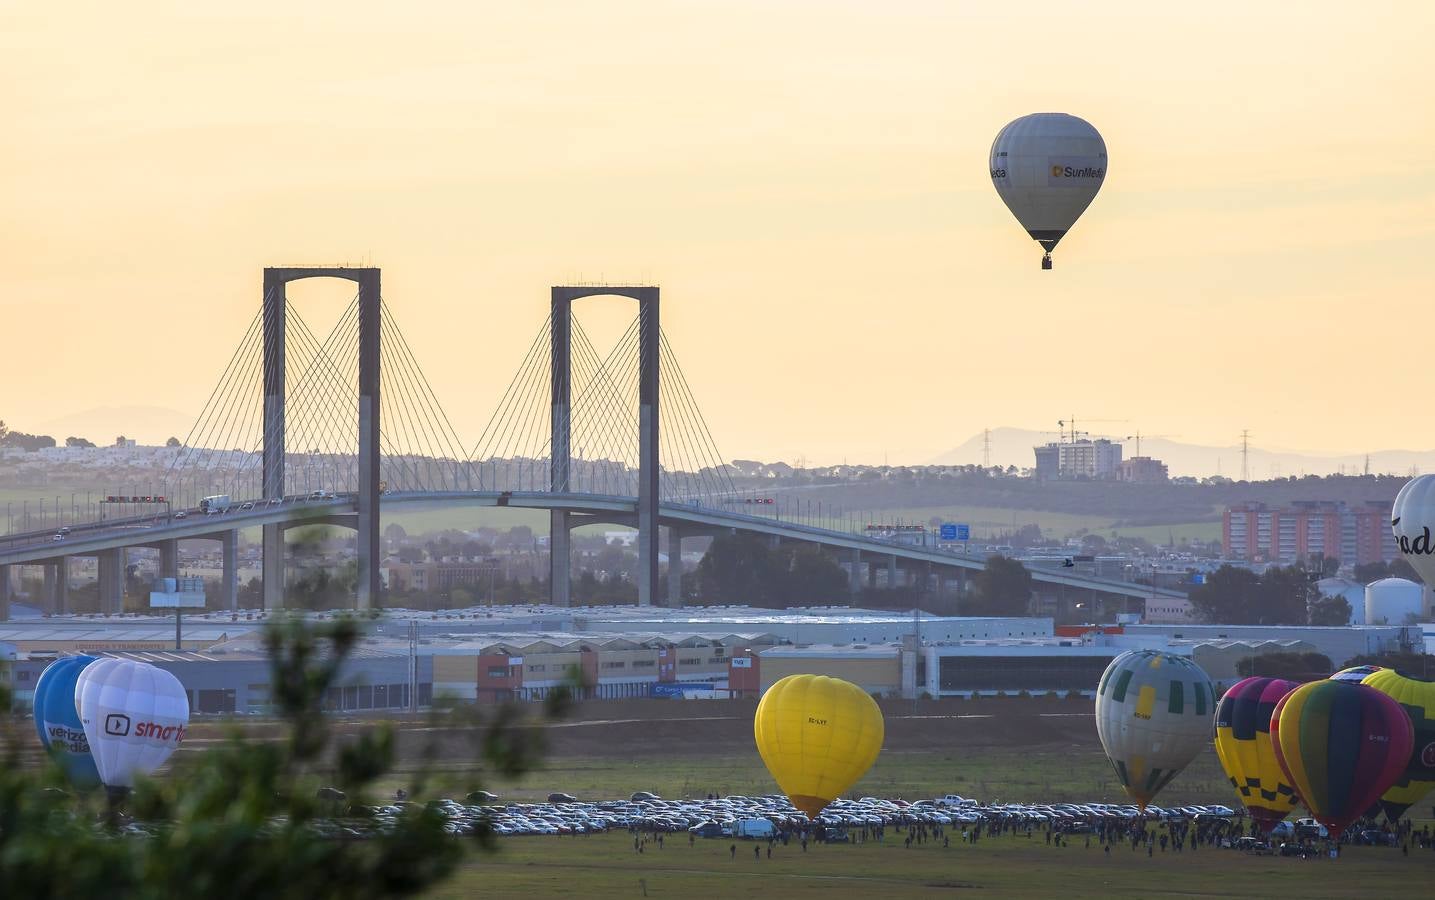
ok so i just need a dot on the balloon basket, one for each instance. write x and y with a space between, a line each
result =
1046 263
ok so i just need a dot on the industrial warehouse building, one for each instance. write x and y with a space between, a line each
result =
526 653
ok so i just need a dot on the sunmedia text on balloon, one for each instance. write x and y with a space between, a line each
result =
1421 544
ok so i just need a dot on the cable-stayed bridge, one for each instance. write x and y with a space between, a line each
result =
303 430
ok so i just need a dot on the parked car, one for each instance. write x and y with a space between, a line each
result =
558 797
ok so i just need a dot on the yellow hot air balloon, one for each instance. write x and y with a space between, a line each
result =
1243 744
1417 696
818 736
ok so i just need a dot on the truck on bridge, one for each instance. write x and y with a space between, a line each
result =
215 504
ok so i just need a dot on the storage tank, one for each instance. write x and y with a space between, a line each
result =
1352 591
1389 600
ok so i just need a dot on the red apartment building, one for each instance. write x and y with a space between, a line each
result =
1256 532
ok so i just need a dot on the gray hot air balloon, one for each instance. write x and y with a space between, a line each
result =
1047 167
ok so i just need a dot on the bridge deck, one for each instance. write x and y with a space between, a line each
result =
91 538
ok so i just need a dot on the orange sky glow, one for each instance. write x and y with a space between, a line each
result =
806 180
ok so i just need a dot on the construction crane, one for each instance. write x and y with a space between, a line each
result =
1138 436
1062 423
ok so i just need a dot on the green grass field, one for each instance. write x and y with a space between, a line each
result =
607 866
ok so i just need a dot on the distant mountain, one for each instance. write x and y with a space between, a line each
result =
145 424
1013 446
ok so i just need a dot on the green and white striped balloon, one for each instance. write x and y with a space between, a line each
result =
1154 714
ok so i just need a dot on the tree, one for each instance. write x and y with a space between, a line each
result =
1365 573
1294 666
78 442
1227 596
1330 611
1236 596
738 568
245 817
1284 596
1398 567
173 442
1002 588
810 577
1421 665
28 442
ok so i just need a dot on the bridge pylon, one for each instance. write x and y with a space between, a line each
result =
561 408
275 281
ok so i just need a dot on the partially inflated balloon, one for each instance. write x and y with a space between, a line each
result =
134 716
1243 744
1153 714
1417 697
1047 167
817 736
1412 520
1341 745
1355 674
58 722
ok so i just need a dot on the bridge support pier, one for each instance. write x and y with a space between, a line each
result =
560 561
229 571
52 588
112 581
891 572
169 559
272 572
7 589
62 604
675 567
854 573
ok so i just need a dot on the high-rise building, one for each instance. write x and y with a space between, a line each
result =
1142 469
1256 532
1048 461
1100 458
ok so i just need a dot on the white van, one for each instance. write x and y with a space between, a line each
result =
755 829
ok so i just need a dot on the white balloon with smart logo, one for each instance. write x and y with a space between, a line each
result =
1412 521
1047 168
134 715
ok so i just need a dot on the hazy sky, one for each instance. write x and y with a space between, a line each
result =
806 180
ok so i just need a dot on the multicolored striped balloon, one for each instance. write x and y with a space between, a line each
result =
1243 743
1341 745
1153 714
1417 697
1355 674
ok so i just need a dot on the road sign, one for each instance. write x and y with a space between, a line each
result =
964 532
949 531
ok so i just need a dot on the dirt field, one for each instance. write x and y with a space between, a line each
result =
642 728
